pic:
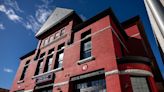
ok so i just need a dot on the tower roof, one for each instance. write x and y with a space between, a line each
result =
58 15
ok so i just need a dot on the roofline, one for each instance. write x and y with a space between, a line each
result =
99 16
28 54
37 35
131 21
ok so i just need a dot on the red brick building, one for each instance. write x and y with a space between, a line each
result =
97 55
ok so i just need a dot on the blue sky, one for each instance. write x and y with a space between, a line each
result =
21 19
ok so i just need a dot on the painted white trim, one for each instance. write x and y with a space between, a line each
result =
111 72
61 83
85 60
122 43
54 71
137 72
31 90
20 81
134 35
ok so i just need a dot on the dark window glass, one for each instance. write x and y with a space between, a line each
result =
40 64
48 64
59 57
49 60
51 51
91 85
25 70
86 45
39 67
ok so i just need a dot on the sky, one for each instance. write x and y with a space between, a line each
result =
21 19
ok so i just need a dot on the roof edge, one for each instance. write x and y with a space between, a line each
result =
28 54
37 35
125 24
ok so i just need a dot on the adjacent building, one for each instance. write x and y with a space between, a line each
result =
155 12
4 90
97 55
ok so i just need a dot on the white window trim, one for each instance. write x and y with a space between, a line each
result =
85 60
20 81
52 71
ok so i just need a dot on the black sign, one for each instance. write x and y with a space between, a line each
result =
47 78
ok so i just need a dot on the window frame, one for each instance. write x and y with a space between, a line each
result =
40 64
145 77
59 63
87 81
83 52
24 70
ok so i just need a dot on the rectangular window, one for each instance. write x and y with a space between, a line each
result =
139 84
86 45
92 84
49 60
25 70
59 57
48 63
40 64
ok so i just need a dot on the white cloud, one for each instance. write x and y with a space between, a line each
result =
2 8
12 16
10 13
8 70
32 24
42 14
2 27
13 4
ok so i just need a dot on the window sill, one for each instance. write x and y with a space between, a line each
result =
52 71
86 60
20 81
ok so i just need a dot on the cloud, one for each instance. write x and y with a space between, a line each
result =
13 4
42 14
8 70
2 8
2 26
32 24
10 13
83 17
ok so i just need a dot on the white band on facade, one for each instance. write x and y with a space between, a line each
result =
137 72
112 72
61 83
31 90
